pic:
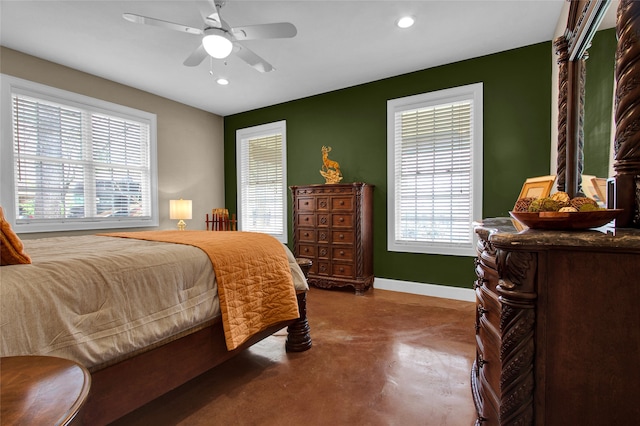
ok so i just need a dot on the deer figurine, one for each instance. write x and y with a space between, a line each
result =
329 164
330 169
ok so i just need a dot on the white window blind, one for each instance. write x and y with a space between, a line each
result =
78 167
262 180
433 150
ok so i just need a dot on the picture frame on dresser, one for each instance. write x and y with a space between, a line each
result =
537 187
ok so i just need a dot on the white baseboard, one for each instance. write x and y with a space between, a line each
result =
444 291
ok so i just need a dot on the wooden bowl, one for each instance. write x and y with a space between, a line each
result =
566 220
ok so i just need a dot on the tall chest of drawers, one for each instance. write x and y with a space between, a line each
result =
333 226
557 326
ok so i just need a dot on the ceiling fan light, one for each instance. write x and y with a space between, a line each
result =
217 43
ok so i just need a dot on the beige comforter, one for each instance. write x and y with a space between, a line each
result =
255 287
94 299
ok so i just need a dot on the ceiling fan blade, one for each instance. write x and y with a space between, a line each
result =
275 30
138 19
253 59
215 19
196 57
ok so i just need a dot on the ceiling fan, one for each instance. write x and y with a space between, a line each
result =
219 39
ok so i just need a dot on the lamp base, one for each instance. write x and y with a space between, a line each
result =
181 225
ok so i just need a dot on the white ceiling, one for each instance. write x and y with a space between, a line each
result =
339 43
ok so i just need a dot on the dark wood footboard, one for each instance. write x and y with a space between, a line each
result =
123 387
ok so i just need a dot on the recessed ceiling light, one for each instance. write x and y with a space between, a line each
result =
405 22
222 81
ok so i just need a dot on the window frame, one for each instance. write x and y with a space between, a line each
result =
255 132
473 92
10 85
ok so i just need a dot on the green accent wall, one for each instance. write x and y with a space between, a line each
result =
599 103
517 122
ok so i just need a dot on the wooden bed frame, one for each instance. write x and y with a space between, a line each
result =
121 388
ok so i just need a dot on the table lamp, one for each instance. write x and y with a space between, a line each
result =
180 209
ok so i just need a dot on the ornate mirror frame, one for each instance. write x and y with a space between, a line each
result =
583 20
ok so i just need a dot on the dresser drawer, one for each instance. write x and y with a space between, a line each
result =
489 370
305 203
324 267
343 270
323 236
339 220
342 203
490 404
342 237
342 253
307 250
322 203
488 309
487 277
322 220
323 252
305 235
306 220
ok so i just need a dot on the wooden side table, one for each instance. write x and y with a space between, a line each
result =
41 390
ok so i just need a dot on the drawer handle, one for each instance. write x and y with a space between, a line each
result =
306 203
306 219
342 203
481 362
306 250
482 310
341 269
342 236
341 219
306 234
341 252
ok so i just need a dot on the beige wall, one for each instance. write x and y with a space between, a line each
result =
190 141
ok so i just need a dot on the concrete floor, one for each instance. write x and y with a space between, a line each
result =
385 358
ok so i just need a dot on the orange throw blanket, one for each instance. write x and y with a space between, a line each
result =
253 275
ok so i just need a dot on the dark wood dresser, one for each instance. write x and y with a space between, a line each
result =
333 226
557 327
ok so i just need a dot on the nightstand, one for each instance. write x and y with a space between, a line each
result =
41 390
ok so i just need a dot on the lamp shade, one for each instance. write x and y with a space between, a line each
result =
180 209
216 42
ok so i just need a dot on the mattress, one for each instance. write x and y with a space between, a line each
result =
94 299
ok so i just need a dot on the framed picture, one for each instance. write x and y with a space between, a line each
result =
537 187
600 185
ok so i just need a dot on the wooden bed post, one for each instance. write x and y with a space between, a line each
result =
299 338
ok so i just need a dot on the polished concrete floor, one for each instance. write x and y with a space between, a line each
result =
385 358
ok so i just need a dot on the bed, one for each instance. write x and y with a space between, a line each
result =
145 315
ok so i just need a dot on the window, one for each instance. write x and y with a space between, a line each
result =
434 154
73 162
261 154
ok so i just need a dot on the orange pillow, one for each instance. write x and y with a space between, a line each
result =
11 248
